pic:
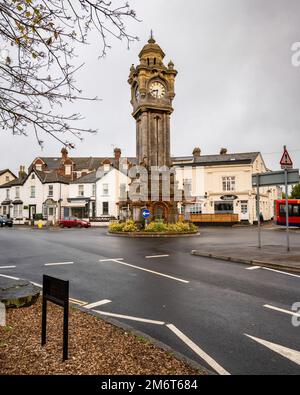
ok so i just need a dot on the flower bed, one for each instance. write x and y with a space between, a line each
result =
158 227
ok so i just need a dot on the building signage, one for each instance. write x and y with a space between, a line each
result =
56 291
229 197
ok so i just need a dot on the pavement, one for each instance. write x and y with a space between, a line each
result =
274 256
226 317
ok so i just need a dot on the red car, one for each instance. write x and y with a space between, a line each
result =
74 222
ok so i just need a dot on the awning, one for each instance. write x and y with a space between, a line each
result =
17 201
76 204
6 202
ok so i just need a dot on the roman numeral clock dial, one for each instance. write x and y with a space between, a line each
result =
157 90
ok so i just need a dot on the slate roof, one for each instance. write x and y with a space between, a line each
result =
206 160
6 171
15 182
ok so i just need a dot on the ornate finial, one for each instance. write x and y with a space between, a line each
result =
151 39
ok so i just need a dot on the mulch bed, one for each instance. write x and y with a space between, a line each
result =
95 347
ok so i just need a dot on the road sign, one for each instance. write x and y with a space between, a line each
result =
146 213
56 291
286 161
276 178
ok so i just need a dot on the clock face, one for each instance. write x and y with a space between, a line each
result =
157 90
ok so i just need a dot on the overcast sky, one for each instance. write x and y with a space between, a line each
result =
236 86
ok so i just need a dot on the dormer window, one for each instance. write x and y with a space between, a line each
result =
106 167
68 170
39 167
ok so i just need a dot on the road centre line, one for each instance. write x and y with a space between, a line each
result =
281 310
149 271
128 317
156 256
202 354
59 263
7 267
99 303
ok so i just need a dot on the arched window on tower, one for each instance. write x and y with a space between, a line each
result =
154 61
148 61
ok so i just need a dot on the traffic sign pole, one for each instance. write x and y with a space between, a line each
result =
287 210
258 211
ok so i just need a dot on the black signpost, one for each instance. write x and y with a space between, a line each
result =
56 291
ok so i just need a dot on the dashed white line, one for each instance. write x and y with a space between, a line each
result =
99 303
7 267
253 267
202 354
156 256
59 263
281 310
113 259
36 284
149 271
128 317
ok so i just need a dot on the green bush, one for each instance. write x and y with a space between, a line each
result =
157 226
128 226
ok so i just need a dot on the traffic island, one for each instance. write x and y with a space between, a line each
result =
96 347
272 256
153 229
17 293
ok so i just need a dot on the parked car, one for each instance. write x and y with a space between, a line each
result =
73 222
4 221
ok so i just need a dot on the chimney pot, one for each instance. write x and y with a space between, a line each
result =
196 153
223 151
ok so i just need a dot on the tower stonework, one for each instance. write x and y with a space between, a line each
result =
152 94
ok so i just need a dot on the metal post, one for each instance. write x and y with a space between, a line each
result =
44 321
66 331
258 211
287 210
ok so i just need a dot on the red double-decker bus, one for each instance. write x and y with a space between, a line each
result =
294 212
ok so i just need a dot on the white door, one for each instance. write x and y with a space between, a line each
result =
244 211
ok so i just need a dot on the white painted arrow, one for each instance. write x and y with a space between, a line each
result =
288 353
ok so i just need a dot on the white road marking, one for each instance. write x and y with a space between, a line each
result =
272 270
13 278
7 267
59 263
76 301
281 310
202 354
149 271
109 260
288 353
99 303
156 256
281 272
36 284
128 317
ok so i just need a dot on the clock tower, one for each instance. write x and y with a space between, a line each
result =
152 93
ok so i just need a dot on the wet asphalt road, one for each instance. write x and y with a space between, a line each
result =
216 305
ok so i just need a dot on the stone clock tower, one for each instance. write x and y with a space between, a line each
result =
152 94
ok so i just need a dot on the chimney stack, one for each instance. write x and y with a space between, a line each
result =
22 172
64 153
117 153
196 154
223 151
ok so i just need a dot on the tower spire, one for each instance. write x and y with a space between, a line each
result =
151 39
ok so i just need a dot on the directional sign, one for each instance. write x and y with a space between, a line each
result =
286 161
146 213
276 178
